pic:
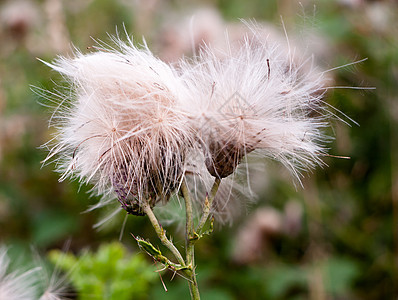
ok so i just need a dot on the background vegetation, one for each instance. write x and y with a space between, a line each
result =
339 235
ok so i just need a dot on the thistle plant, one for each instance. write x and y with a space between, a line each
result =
14 285
138 129
33 283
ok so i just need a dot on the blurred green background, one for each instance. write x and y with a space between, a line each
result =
336 238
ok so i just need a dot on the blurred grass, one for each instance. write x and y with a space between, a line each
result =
354 223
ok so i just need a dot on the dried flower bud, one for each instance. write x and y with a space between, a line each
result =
223 157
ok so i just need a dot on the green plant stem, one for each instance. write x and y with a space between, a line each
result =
191 235
190 242
162 234
208 203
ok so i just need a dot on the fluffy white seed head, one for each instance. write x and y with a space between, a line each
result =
53 284
30 284
16 285
255 97
120 126
56 288
133 125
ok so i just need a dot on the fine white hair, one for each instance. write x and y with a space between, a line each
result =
256 98
119 125
16 285
134 126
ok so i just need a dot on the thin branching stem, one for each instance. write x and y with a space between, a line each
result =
208 203
189 220
191 235
189 241
162 233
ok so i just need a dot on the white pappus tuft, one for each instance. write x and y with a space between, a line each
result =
53 284
121 128
134 126
16 285
34 283
256 98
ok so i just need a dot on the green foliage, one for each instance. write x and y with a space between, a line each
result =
111 273
280 279
52 225
339 275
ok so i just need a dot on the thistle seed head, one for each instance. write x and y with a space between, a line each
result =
129 123
256 98
16 285
119 125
